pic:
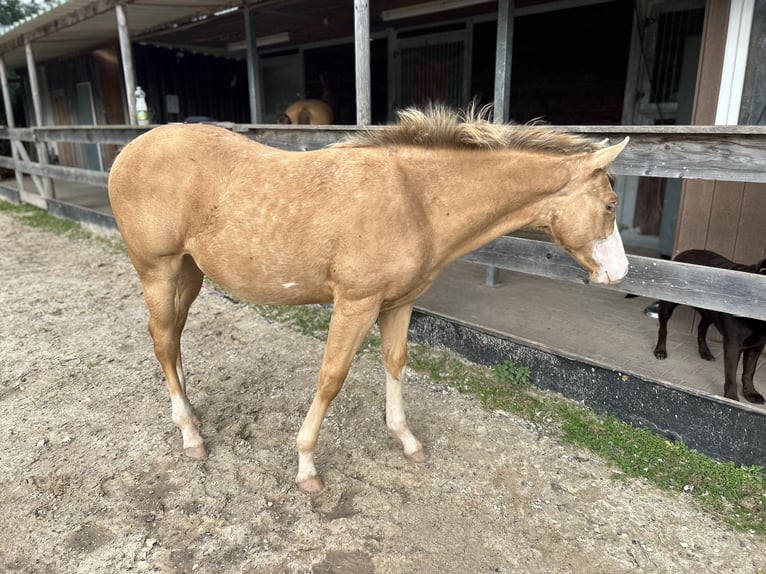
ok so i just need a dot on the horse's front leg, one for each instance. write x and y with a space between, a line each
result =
393 332
350 322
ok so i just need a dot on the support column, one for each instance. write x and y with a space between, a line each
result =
11 122
47 190
253 77
503 61
502 102
128 72
362 59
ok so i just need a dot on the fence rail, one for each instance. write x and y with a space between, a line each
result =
730 153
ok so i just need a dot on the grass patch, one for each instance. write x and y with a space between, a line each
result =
737 494
310 320
41 219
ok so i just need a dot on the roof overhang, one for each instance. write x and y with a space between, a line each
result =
72 27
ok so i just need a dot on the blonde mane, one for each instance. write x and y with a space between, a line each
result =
442 127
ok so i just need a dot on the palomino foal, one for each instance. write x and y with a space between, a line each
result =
366 225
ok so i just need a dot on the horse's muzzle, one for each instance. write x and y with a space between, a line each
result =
609 255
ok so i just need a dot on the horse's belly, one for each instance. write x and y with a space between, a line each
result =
277 285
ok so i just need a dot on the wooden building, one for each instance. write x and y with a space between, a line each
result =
568 62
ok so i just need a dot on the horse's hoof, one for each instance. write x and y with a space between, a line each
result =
196 452
312 485
418 456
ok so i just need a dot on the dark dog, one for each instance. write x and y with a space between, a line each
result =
741 335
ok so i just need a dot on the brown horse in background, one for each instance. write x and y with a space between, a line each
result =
366 224
307 112
312 112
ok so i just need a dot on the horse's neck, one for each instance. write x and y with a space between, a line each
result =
473 197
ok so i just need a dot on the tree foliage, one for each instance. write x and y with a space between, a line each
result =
11 11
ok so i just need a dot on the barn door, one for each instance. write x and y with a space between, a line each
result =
64 150
659 90
86 116
429 68
282 81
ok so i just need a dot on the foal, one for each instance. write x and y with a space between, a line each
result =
366 225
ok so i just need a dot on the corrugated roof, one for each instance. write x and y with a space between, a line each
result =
73 26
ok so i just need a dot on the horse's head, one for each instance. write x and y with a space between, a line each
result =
583 220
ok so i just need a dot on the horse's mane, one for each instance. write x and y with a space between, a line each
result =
442 127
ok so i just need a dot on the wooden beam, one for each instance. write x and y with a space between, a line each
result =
10 120
73 174
128 71
362 60
46 189
503 59
724 153
724 290
21 155
253 75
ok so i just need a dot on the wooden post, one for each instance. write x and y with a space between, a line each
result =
128 72
10 121
253 77
503 60
502 103
46 190
362 41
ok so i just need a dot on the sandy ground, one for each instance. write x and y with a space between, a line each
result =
94 479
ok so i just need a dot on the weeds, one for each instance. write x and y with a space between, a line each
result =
35 217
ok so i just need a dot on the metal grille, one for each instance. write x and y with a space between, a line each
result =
432 74
673 28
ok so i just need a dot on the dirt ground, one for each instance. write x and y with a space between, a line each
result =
94 480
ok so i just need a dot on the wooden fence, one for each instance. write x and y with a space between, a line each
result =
729 153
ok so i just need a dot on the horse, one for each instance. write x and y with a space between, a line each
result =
307 112
365 224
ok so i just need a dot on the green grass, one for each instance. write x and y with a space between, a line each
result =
35 217
737 494
41 219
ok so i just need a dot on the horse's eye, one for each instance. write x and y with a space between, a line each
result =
610 206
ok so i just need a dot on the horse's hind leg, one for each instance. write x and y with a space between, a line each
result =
350 322
393 331
170 286
189 285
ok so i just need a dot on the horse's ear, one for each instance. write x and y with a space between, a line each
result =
603 158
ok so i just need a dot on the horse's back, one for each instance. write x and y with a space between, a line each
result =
171 156
165 180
